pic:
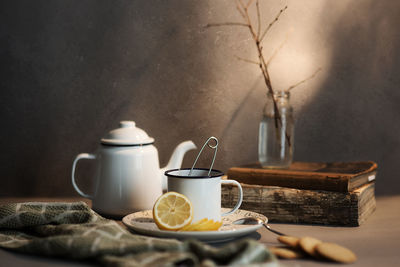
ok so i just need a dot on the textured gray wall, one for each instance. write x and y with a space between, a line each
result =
70 70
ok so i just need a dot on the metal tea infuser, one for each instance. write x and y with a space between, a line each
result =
201 150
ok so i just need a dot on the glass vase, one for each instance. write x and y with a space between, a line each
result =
275 138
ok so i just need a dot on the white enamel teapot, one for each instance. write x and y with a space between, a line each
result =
128 176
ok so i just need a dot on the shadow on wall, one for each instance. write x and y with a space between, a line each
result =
356 114
72 70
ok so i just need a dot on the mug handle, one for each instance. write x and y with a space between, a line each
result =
80 156
240 196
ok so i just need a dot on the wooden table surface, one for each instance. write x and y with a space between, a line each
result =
376 242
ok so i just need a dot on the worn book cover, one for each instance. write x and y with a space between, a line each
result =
335 176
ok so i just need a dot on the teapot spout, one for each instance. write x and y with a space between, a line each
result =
176 159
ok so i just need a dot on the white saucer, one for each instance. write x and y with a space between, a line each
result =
142 222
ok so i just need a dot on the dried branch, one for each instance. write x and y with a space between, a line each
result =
272 23
258 19
264 69
247 60
263 65
243 10
303 81
226 24
239 9
248 20
241 4
249 3
277 50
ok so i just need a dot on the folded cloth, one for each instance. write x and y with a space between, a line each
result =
73 230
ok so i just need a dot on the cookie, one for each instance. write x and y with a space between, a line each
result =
335 252
308 245
286 253
291 241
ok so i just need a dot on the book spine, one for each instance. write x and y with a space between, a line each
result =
362 179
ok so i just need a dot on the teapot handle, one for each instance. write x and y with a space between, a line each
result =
80 156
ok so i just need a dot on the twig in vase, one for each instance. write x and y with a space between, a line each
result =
243 10
263 65
303 81
277 50
227 24
247 60
258 37
272 22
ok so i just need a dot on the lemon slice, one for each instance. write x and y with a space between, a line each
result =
203 225
172 211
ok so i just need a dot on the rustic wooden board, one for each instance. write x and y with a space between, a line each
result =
335 176
290 205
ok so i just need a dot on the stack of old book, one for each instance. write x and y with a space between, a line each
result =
316 193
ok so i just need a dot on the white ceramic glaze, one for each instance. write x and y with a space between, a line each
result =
127 134
143 223
203 191
128 176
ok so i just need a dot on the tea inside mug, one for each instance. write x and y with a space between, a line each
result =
196 173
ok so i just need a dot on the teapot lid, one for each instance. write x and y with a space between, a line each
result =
127 135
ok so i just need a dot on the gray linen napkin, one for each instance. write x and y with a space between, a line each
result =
73 230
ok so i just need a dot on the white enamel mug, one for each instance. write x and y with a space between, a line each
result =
203 190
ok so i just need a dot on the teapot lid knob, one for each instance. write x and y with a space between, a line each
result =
127 124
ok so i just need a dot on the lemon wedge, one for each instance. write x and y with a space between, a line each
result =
202 225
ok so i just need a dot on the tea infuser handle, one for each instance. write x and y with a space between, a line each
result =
201 150
240 196
80 156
